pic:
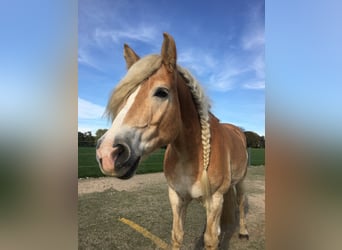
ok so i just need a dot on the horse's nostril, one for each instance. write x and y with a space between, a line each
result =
100 160
122 154
121 149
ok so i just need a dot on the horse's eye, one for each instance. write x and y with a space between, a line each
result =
162 93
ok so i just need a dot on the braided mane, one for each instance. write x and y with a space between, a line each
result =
203 106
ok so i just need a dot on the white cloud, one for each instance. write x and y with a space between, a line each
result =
198 61
255 85
140 33
187 60
84 58
224 72
217 73
253 42
226 78
89 110
253 39
258 65
254 30
186 57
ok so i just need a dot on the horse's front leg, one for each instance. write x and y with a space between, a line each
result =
212 232
178 205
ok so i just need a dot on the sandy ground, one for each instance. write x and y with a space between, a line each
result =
98 207
91 185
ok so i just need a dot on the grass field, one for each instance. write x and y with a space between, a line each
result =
88 167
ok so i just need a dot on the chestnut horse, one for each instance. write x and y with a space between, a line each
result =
159 103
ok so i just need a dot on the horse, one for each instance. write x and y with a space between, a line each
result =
159 103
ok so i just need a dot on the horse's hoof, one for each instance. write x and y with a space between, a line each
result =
244 236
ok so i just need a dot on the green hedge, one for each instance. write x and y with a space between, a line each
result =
257 156
88 167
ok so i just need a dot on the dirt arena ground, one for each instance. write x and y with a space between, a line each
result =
144 201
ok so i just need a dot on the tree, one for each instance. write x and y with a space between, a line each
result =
253 139
86 139
90 140
100 132
80 138
262 142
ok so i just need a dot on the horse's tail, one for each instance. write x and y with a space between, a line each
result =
228 217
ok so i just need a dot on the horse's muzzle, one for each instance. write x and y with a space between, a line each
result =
119 161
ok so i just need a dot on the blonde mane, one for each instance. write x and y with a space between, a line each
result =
143 69
203 106
137 73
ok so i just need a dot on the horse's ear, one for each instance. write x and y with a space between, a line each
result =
130 56
168 52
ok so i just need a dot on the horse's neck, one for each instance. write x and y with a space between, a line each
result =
189 140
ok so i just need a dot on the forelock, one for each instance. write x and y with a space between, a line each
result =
137 73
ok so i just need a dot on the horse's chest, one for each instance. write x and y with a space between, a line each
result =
185 184
186 188
196 190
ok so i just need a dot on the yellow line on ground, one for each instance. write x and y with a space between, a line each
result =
156 240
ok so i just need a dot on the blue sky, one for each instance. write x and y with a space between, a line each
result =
220 42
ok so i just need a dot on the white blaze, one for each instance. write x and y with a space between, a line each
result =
118 121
